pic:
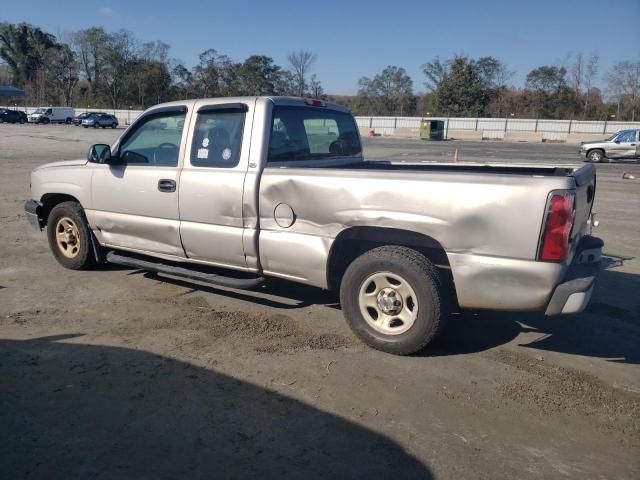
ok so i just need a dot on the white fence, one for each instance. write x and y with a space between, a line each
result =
494 128
125 117
498 127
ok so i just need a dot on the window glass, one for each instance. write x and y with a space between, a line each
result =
627 136
156 142
217 139
301 133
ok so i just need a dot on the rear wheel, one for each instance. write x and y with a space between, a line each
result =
113 125
393 299
596 156
46 121
69 236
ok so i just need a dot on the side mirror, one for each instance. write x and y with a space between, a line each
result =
99 153
616 141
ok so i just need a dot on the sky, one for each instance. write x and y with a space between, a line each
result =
353 38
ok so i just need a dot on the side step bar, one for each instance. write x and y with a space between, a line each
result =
232 282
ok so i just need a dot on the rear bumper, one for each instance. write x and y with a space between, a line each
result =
574 293
33 212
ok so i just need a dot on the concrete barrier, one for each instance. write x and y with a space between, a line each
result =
464 135
406 132
493 134
584 137
523 137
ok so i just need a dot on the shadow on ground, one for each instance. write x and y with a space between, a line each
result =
85 411
608 329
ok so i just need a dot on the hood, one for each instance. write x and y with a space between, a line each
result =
65 163
593 142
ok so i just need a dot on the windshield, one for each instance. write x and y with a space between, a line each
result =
307 133
39 110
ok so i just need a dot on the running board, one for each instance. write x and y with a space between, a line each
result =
232 282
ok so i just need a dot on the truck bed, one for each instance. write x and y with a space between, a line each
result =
582 173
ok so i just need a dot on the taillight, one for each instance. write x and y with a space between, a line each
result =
557 227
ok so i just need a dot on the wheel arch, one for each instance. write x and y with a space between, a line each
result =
50 200
354 241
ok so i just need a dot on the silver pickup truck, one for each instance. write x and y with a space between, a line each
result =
233 190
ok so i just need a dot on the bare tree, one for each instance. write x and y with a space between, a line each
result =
576 72
301 62
624 86
590 72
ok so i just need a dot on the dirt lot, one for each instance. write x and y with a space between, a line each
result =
119 374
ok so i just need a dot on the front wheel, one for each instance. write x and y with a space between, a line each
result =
393 299
595 156
69 236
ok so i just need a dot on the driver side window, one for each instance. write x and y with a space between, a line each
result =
626 137
156 141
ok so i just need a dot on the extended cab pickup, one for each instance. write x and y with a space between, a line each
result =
233 190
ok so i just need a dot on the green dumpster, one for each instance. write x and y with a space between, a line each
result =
432 130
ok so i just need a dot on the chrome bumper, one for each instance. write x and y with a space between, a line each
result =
574 293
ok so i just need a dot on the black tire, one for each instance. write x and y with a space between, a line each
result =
113 125
46 121
84 258
422 277
596 155
68 121
95 125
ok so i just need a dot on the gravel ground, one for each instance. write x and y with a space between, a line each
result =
116 373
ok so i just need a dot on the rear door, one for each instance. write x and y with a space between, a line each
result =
212 183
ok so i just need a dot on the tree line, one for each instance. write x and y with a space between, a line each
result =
96 68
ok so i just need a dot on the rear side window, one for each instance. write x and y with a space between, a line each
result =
217 139
308 133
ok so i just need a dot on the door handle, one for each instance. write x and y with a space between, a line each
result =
166 185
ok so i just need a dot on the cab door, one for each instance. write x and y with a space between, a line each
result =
624 145
212 183
135 200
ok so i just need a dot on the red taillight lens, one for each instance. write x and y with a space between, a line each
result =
557 227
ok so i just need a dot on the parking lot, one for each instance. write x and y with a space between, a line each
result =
115 372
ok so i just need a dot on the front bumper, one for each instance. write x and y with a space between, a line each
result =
574 293
33 211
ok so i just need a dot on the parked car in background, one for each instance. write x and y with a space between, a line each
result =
52 115
77 120
103 120
623 144
12 116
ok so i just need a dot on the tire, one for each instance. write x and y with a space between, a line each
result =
386 269
113 125
95 125
46 121
75 250
596 155
22 121
68 121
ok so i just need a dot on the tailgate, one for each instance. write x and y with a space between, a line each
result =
585 178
